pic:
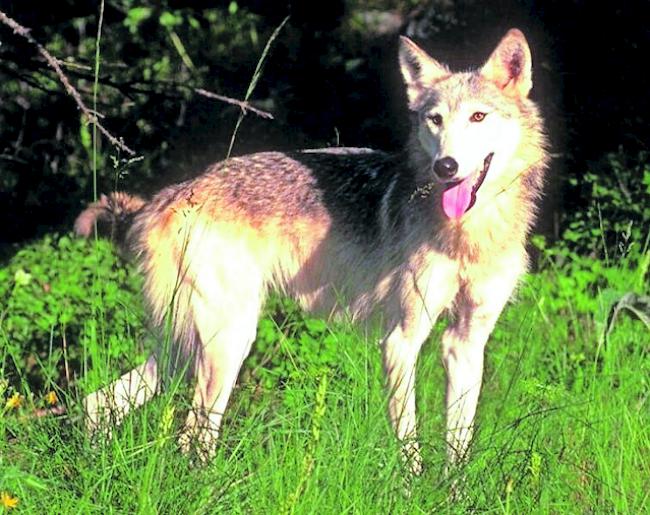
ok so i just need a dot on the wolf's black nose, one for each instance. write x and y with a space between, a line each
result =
446 167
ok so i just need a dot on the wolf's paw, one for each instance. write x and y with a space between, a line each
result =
412 457
456 476
99 415
200 444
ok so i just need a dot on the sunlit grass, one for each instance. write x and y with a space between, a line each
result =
562 428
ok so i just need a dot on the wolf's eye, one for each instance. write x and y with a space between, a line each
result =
478 116
435 119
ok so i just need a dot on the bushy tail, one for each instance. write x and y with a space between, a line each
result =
113 215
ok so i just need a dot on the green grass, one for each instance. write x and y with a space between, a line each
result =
563 425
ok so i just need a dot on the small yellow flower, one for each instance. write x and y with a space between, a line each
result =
51 398
14 401
7 501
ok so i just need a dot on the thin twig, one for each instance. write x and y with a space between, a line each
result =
244 106
25 32
95 90
256 75
140 87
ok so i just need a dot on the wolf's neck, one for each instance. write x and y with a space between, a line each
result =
502 217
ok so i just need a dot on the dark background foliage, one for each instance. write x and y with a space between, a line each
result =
331 78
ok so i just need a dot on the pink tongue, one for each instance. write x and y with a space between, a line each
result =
457 199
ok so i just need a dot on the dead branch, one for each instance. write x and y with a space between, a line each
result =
244 106
90 116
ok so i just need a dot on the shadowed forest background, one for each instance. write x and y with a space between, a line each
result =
331 78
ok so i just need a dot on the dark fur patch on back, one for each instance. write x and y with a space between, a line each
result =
351 186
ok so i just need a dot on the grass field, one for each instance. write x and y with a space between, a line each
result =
563 426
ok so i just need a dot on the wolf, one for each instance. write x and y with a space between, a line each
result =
439 226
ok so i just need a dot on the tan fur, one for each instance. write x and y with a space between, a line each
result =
347 231
106 209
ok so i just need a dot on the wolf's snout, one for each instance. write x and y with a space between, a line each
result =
446 167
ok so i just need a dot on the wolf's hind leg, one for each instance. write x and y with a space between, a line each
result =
108 406
226 335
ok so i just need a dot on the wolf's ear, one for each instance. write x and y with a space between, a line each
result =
418 69
509 66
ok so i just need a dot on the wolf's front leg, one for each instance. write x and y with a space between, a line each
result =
423 296
400 356
463 346
463 358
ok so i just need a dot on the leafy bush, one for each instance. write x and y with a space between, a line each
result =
59 294
604 250
295 348
615 221
578 284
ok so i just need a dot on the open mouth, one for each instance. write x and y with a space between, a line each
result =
460 196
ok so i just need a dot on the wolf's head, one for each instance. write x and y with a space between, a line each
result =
469 125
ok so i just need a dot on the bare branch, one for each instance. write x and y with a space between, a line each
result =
244 106
53 62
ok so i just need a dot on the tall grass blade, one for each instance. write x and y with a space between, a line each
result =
256 77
